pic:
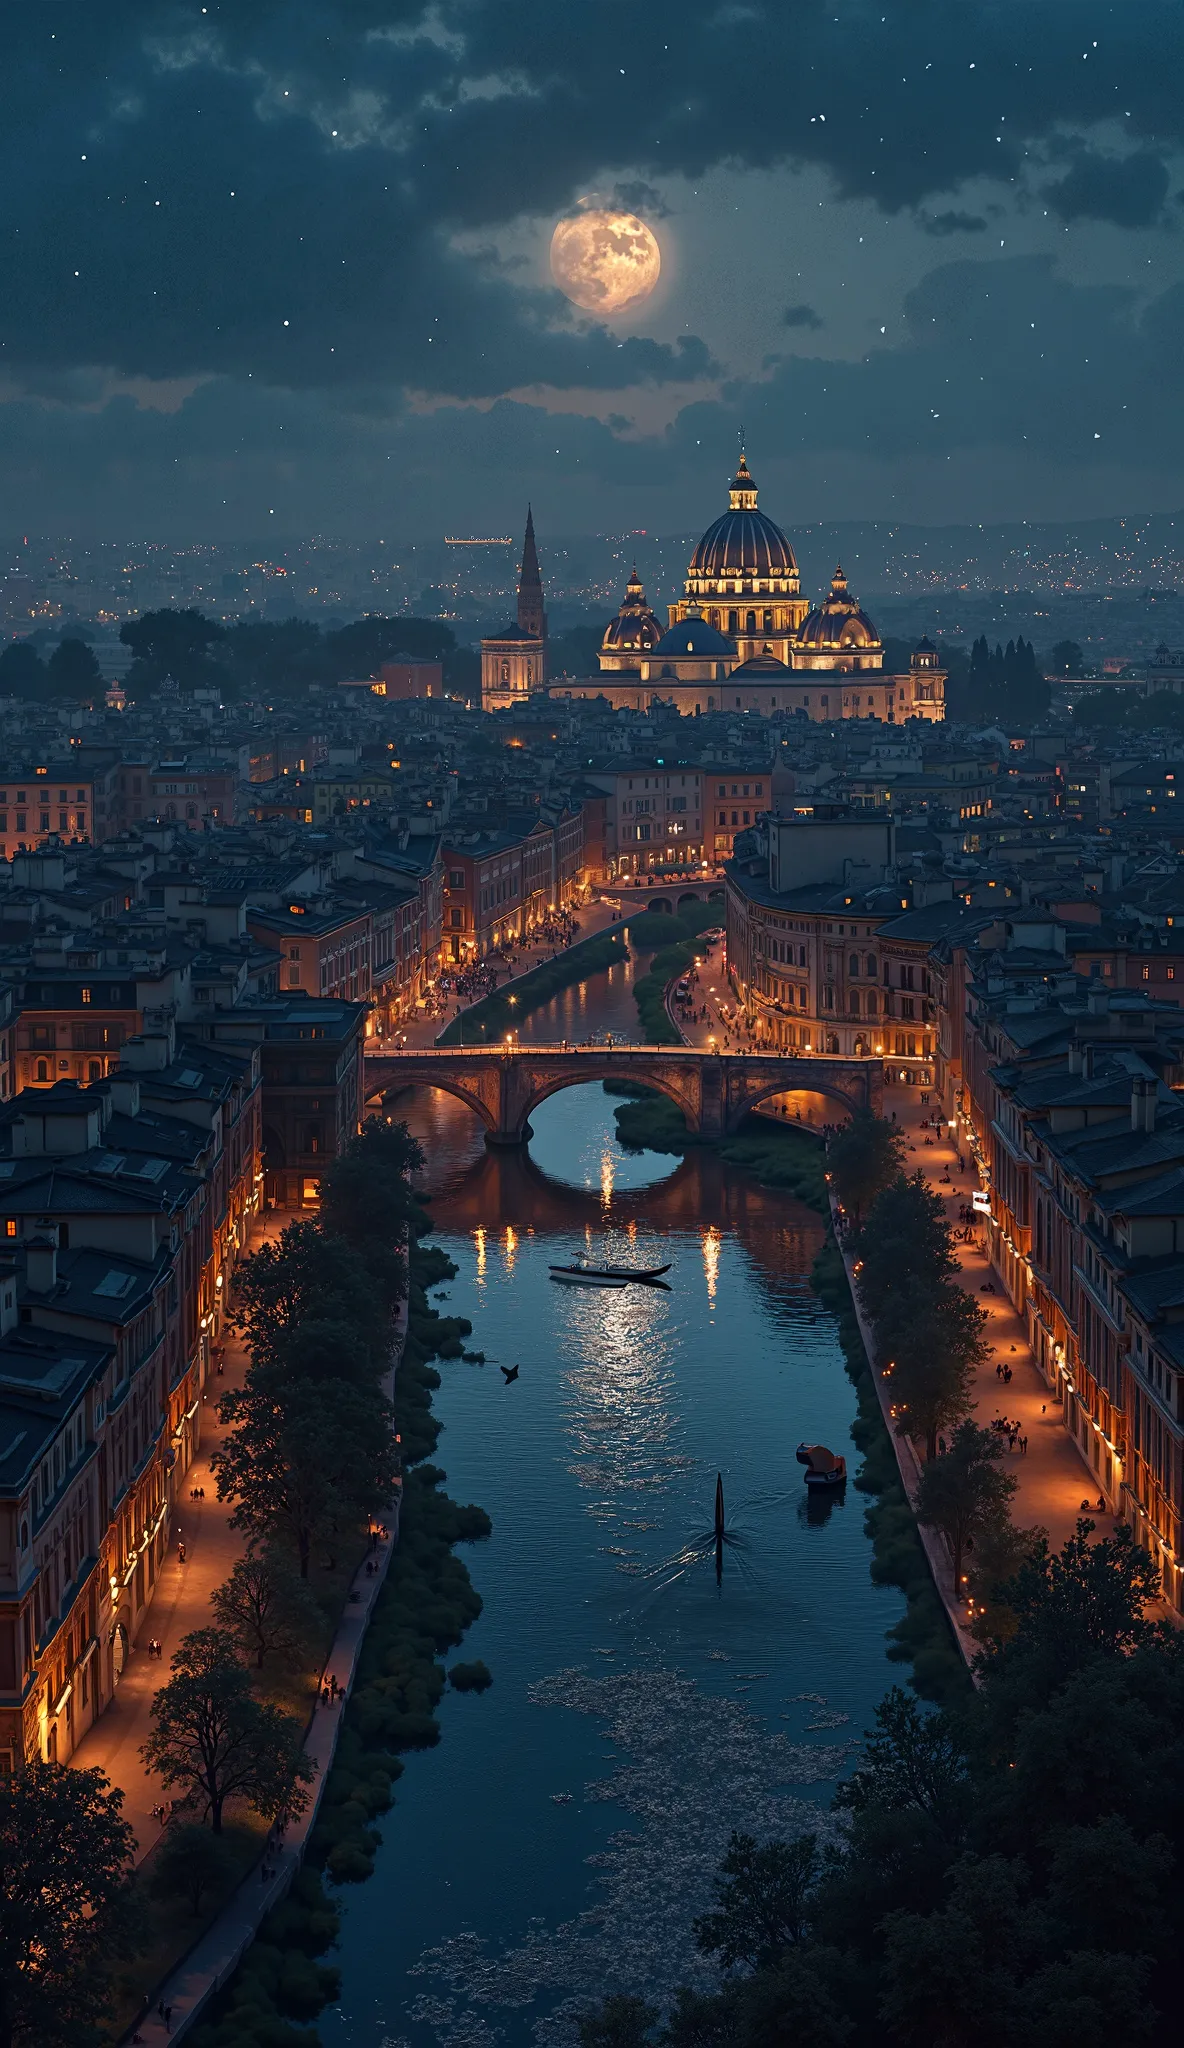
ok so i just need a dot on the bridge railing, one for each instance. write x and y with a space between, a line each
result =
569 1047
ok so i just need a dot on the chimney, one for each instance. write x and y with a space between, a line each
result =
123 1093
1144 1100
149 1052
1087 1061
1097 1001
41 1258
1076 1061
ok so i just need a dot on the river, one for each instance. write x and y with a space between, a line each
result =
559 1840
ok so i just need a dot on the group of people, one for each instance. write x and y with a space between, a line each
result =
1011 1431
461 986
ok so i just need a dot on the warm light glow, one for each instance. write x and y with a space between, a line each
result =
511 1247
711 1260
479 1241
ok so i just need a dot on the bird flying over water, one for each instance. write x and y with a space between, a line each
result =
511 1372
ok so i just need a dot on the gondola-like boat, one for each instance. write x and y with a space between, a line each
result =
608 1276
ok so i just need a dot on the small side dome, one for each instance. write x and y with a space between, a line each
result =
694 637
635 630
839 625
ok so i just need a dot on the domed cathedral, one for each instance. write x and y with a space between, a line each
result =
743 638
514 661
632 634
743 578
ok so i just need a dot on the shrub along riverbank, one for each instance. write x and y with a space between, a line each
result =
673 939
423 1610
487 1022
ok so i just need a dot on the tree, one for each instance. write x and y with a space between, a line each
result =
904 1236
1066 658
74 669
65 1868
216 1741
170 643
1089 1998
620 2022
864 1157
366 1200
762 1900
316 1457
950 1977
1077 1605
933 1337
22 671
190 1862
361 647
311 1290
1006 684
965 1492
267 1610
913 1760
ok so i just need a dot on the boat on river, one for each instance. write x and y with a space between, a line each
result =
824 1469
583 1276
609 1276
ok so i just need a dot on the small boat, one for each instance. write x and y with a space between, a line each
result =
613 1273
823 1468
581 1276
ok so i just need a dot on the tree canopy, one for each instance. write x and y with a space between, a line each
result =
1010 1871
65 1868
865 1155
214 1741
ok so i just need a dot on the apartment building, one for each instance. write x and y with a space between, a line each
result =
1070 1095
64 798
653 815
123 1207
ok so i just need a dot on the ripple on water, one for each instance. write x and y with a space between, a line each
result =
690 1767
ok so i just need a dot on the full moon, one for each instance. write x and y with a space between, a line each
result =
605 261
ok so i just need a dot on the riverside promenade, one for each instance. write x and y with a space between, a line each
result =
1053 1477
182 1603
215 1956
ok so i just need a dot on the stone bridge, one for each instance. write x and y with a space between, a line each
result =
715 1091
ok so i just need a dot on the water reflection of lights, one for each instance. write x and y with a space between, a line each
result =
479 1241
606 1178
711 1259
511 1246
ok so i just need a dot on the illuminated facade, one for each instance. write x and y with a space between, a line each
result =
514 662
743 638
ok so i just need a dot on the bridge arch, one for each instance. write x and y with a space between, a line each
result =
425 1078
847 1099
595 1070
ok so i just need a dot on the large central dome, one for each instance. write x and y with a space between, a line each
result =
743 543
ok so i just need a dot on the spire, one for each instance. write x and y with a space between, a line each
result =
532 618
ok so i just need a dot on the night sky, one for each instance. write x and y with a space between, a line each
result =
285 265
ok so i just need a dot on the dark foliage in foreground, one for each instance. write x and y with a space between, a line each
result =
1012 1867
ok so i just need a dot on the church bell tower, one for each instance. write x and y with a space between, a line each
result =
532 617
